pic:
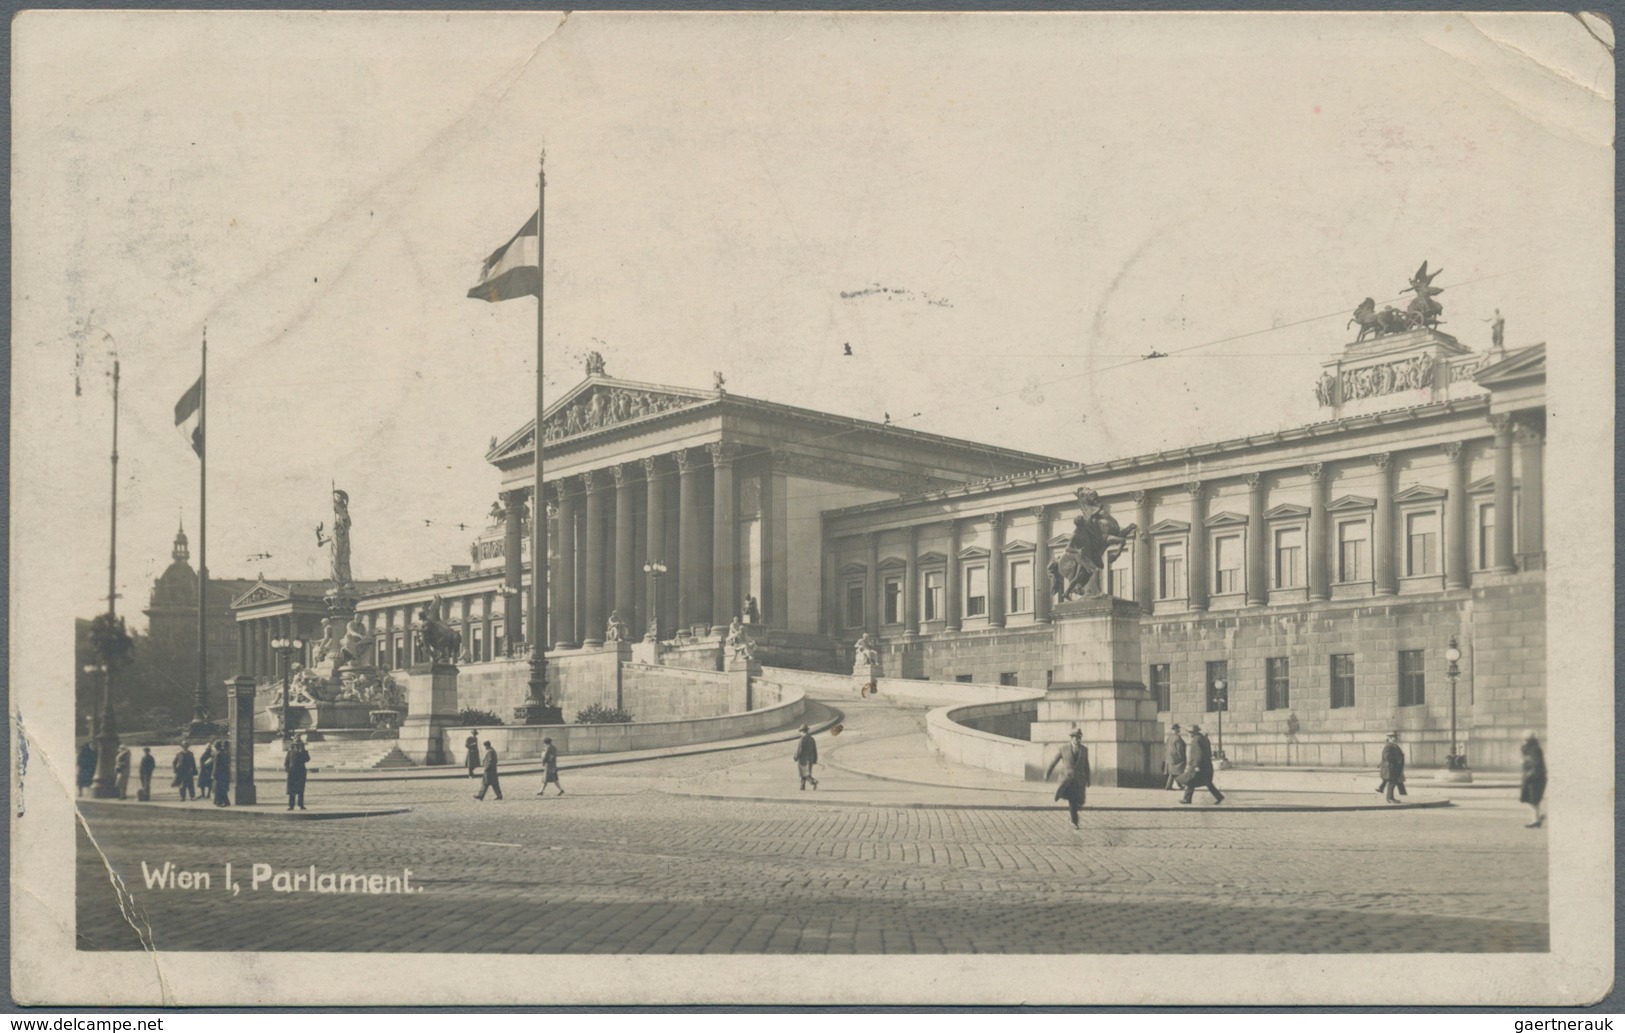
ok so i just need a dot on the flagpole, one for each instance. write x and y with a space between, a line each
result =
538 506
200 709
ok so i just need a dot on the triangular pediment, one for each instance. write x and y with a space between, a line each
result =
1524 364
1017 546
1348 502
1485 485
1059 541
932 557
1170 527
1227 519
893 563
1287 511
598 403
1420 493
261 592
854 568
973 552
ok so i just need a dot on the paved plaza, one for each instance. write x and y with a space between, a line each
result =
896 852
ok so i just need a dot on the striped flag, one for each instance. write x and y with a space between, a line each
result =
189 416
512 270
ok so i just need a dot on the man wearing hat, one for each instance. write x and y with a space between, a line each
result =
806 757
1074 760
1173 761
550 768
1199 767
1393 768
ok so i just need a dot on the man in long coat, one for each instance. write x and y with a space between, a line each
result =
1173 761
471 752
1199 767
806 756
490 781
294 763
1393 767
185 766
1074 760
148 765
121 771
205 772
550 768
87 767
222 774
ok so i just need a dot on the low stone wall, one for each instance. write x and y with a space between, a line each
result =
655 693
524 742
952 736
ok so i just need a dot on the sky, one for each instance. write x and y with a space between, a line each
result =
1000 214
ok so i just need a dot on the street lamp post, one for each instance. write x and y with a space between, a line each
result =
654 568
1455 761
1221 703
285 649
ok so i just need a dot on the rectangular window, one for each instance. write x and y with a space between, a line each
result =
1486 535
894 600
1289 557
975 591
476 647
1120 575
854 604
1161 687
1411 681
962 677
1277 683
1353 551
933 595
1218 685
1171 582
1007 678
1342 680
1227 553
1021 587
1421 544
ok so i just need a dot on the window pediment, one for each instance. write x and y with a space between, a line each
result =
1352 502
926 558
1227 519
1017 547
1059 541
1170 527
1485 486
973 552
1420 493
893 563
1287 511
855 568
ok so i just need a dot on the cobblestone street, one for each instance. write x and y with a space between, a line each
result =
626 863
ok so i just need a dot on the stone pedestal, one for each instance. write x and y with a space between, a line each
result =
740 674
431 708
240 732
866 672
1097 688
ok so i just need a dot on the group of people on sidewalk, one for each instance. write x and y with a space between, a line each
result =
1189 766
191 775
484 766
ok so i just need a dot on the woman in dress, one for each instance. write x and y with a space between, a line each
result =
1533 788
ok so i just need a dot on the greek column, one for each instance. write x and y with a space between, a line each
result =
1041 533
1383 547
626 585
953 605
1455 517
1258 593
1531 514
1144 573
564 576
911 584
1319 587
995 570
1199 576
654 536
724 522
688 539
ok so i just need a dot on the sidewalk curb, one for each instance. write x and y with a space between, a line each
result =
262 811
813 798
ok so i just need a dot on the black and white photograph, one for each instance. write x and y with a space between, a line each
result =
817 508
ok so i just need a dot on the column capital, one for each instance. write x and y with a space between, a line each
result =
1141 496
722 452
951 525
1382 460
1527 433
651 467
565 487
1254 480
623 474
1314 470
594 481
913 532
1452 449
779 460
684 458
1195 488
1502 422
870 539
994 520
1039 512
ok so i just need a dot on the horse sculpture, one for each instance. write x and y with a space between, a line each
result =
1389 321
437 640
1096 540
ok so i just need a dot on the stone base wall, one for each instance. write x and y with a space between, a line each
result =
983 655
671 693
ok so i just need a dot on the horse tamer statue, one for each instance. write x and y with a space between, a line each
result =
1096 540
437 640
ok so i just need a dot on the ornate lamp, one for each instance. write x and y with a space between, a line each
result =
655 569
285 649
1221 703
1455 761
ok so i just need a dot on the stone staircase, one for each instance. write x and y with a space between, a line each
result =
341 755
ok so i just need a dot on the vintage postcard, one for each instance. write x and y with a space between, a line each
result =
816 508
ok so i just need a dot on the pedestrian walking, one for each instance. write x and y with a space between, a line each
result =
87 767
185 766
1393 768
294 764
205 773
471 753
1173 758
148 765
1074 760
806 756
1533 787
121 772
222 774
550 767
1199 767
490 781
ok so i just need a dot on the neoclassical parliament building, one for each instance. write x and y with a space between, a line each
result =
1318 572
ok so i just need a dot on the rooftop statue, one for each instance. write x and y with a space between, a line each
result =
595 364
339 569
1423 311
